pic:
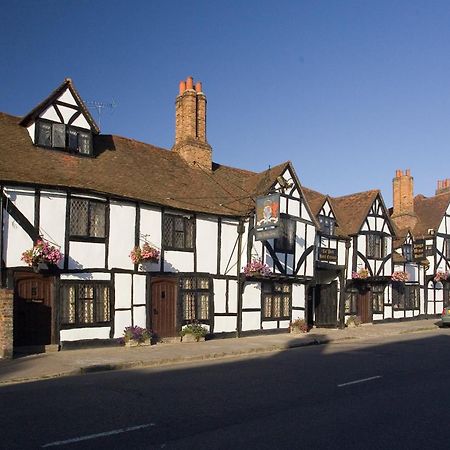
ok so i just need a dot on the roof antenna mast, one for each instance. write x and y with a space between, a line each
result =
100 107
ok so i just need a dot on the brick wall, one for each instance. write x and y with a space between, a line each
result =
6 323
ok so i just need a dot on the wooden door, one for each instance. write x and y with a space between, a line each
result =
164 307
364 306
33 301
326 305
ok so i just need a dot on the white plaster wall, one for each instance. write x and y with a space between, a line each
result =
50 114
376 317
283 205
341 253
228 240
139 289
251 297
150 226
81 122
67 97
175 261
206 244
398 314
220 296
388 312
31 131
16 240
311 236
290 264
76 334
52 218
122 284
84 255
284 323
66 112
122 319
140 316
298 315
294 207
232 296
224 324
86 276
300 244
269 325
251 321
121 234
298 295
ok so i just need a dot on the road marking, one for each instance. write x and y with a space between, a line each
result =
359 381
97 435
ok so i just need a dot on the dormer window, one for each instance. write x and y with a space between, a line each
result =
64 137
327 225
407 252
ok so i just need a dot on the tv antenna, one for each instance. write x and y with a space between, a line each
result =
100 107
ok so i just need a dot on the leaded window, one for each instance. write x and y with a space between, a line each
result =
405 296
178 232
196 298
407 252
376 246
59 135
276 301
85 304
286 243
87 218
377 295
327 225
351 301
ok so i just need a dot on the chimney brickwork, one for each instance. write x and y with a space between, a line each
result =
403 198
190 125
443 186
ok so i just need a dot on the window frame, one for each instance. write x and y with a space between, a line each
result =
407 252
402 298
377 298
67 130
380 243
351 301
187 221
197 292
268 290
286 244
88 237
77 285
327 229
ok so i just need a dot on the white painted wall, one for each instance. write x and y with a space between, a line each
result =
139 289
122 319
251 297
232 296
77 334
122 284
50 114
224 324
86 276
175 261
86 255
220 296
298 296
140 316
251 321
150 230
228 240
67 97
206 244
121 234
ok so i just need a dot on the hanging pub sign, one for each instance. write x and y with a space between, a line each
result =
328 254
268 217
419 250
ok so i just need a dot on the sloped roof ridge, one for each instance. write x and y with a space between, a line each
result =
370 191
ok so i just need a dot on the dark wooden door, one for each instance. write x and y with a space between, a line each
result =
164 307
364 306
33 300
326 305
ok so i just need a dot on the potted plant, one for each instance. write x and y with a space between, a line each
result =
134 336
145 254
361 274
256 268
441 276
353 321
298 326
193 332
400 276
42 255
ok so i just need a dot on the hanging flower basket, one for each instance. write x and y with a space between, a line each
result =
361 274
400 276
144 254
441 276
42 256
256 268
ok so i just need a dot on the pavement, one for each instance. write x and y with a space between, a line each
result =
82 361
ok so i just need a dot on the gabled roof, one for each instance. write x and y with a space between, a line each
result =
130 169
429 211
66 84
315 200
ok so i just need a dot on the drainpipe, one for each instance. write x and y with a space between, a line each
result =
343 282
240 230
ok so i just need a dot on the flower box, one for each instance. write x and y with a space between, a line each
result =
145 255
191 338
361 274
42 256
400 276
256 268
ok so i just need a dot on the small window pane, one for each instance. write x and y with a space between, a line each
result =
72 139
203 301
189 306
44 134
84 143
168 230
97 219
189 238
79 217
59 135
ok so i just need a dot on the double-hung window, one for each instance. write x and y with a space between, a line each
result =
87 218
286 243
196 298
276 301
178 232
85 304
376 246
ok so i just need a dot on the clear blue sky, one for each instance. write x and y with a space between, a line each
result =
348 91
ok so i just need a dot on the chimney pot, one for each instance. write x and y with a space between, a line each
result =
182 86
198 86
189 83
408 172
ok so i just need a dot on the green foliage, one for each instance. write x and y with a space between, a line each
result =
300 325
196 329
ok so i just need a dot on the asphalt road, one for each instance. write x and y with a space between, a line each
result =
384 394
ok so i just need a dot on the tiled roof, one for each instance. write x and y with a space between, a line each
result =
315 200
429 211
131 169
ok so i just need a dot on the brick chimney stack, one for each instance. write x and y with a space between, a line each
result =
403 192
190 125
443 186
